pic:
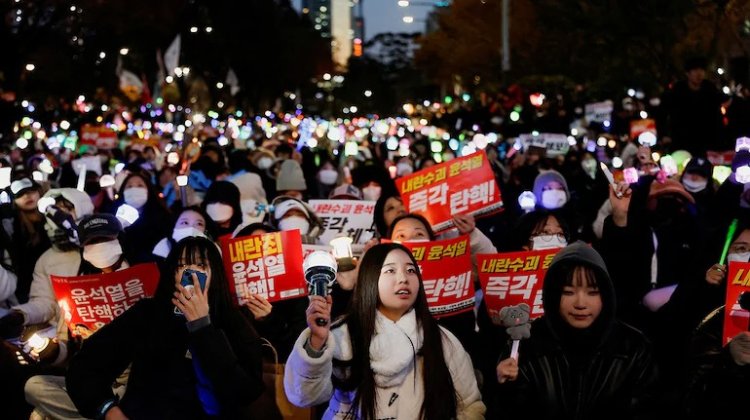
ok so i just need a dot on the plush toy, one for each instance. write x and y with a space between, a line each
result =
515 319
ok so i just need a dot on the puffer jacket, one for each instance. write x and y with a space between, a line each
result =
604 371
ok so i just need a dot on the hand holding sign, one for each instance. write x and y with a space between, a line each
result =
739 348
259 306
464 223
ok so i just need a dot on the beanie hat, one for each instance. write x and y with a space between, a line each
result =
545 178
290 177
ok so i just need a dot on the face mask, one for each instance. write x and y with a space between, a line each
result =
589 166
694 186
548 242
738 257
403 169
371 193
219 212
179 234
265 163
554 199
136 196
328 176
103 255
295 222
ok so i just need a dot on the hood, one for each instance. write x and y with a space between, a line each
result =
80 200
577 254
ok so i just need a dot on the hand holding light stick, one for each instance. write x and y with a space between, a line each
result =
610 178
728 241
182 181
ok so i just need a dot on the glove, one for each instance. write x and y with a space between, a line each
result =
11 325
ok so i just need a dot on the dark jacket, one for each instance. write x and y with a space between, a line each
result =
162 382
603 371
717 387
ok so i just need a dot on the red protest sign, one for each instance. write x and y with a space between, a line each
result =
513 278
465 185
736 319
637 127
92 301
98 135
269 265
446 274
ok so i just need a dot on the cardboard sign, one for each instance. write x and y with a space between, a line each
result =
352 218
100 136
554 143
641 126
269 265
465 185
513 278
92 301
736 319
446 274
599 111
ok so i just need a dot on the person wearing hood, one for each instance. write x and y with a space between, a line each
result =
552 193
249 183
580 361
145 232
222 204
327 178
697 178
191 222
290 180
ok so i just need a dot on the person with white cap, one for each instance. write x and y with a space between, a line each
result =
290 213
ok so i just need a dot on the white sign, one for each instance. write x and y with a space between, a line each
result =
352 218
599 111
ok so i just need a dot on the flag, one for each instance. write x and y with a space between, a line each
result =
118 68
160 75
131 85
233 82
172 55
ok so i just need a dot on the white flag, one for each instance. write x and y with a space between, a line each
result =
172 56
129 81
233 82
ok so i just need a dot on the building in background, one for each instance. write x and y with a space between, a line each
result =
342 23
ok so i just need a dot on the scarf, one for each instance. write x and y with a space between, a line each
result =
394 348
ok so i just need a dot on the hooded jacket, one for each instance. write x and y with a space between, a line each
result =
603 371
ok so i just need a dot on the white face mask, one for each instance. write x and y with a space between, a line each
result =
554 199
328 176
548 242
265 163
694 186
738 257
104 254
403 169
179 234
136 196
371 193
295 222
219 212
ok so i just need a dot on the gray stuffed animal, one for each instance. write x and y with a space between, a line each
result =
516 320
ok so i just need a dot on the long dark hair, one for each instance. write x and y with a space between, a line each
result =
440 400
197 249
155 204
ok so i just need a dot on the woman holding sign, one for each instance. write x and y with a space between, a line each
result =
580 362
192 353
387 358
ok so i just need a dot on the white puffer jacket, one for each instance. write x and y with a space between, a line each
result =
307 380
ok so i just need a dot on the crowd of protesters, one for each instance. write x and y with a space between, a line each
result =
633 303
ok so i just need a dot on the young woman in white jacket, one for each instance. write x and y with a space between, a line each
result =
387 358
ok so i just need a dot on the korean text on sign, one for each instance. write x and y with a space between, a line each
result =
513 278
352 218
90 302
465 185
269 265
446 274
736 318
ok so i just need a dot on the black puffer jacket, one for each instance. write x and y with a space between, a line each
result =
603 371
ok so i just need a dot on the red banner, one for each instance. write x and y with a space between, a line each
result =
513 278
269 265
460 186
98 135
92 301
736 319
446 274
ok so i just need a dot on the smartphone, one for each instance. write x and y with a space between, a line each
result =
187 278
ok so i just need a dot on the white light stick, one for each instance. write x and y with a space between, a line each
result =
81 178
514 349
107 181
182 181
610 178
5 177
